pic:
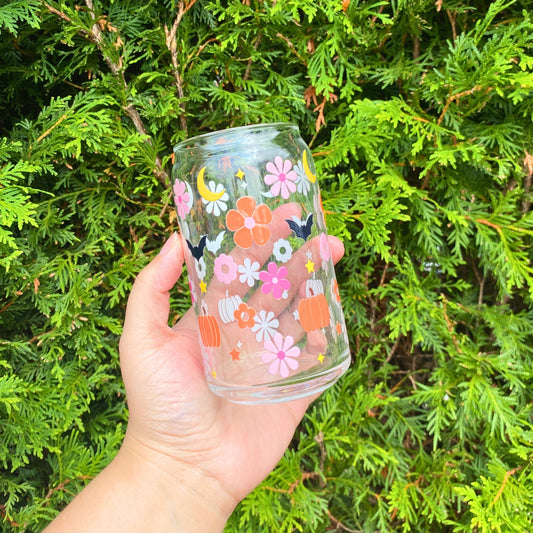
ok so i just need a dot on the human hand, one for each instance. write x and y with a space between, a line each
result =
223 449
189 456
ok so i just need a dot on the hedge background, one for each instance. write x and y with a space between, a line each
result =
419 114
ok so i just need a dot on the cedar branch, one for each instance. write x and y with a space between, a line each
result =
117 69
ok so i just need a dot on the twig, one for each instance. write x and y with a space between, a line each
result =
292 48
249 65
506 477
172 45
452 22
62 485
7 306
392 352
295 484
319 439
457 96
528 167
43 135
340 525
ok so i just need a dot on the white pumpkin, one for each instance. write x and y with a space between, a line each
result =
313 287
227 307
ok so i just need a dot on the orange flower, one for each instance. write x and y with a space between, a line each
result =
336 291
245 316
249 222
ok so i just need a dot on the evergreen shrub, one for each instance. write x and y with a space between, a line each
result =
419 114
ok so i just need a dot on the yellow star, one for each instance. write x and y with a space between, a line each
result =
203 286
320 358
310 266
239 174
214 374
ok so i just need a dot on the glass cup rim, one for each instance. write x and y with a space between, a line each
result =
204 138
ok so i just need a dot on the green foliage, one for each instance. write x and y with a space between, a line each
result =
419 114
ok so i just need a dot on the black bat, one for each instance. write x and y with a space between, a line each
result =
197 251
301 229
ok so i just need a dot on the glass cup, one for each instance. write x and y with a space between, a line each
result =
262 281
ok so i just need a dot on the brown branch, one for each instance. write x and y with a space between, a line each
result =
172 45
452 22
295 484
528 167
457 96
416 47
61 487
340 525
7 306
43 135
292 48
506 477
392 352
37 337
3 514
249 65
375 17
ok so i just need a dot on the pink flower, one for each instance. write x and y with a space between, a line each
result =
281 177
225 269
280 354
275 280
325 251
181 198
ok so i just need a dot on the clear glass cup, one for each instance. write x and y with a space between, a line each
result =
262 281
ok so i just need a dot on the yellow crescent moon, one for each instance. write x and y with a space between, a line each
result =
307 170
206 193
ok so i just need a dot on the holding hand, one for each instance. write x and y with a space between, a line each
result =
189 456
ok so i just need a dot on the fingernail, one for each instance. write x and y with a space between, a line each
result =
168 245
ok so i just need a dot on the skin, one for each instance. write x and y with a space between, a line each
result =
189 457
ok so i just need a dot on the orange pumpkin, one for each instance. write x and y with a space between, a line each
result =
314 312
209 331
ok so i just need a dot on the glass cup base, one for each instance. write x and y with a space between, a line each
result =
279 392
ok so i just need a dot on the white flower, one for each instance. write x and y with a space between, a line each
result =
201 268
282 250
249 272
303 184
215 207
265 325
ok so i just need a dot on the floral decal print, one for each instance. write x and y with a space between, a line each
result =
216 207
201 268
325 252
225 269
182 198
249 222
245 316
274 280
303 185
265 325
280 354
249 272
282 250
281 178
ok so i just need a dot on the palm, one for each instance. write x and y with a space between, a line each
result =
173 409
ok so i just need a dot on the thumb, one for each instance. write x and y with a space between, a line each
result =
149 302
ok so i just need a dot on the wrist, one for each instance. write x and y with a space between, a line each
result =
192 499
